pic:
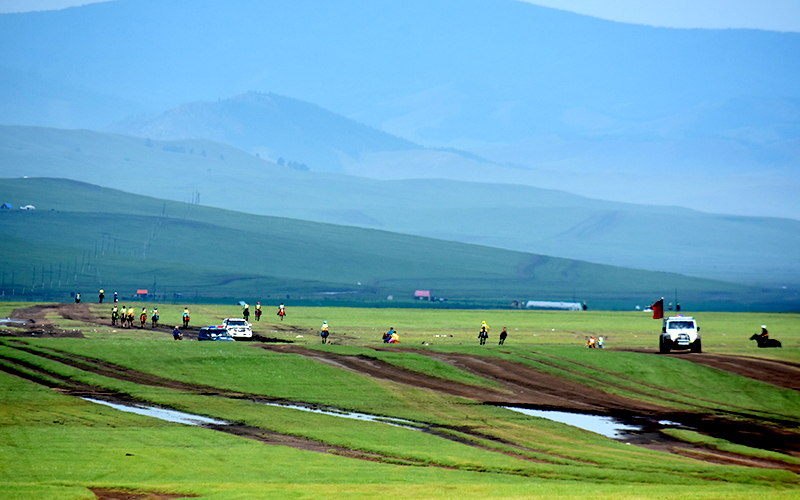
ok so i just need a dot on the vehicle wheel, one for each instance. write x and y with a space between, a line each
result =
697 346
663 347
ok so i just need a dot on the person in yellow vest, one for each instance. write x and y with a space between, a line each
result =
102 294
130 317
114 316
324 332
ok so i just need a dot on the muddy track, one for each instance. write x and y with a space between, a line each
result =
779 373
69 386
526 387
518 385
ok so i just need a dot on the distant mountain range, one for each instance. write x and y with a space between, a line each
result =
271 126
707 119
523 218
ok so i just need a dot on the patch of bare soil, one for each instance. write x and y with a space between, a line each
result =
103 494
776 372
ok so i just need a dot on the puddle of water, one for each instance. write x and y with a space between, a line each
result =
162 414
189 419
12 322
398 422
605 426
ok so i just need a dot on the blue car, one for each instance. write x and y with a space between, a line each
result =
214 333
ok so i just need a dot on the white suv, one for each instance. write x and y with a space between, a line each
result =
238 328
680 332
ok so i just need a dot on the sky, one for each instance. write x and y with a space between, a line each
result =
773 15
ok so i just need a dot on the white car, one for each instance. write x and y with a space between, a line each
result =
680 332
238 328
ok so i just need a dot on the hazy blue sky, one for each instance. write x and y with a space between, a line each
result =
778 15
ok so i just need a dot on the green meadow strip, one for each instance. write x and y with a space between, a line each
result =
720 444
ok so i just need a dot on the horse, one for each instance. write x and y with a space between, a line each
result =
154 319
762 342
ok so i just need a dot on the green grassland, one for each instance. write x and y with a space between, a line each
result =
82 238
521 218
56 446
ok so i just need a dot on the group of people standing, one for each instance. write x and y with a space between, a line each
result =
595 344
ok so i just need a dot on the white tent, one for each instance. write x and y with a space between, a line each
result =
546 304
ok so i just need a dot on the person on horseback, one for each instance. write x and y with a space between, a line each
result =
246 311
281 311
258 311
114 316
484 333
143 316
154 317
185 317
130 317
324 332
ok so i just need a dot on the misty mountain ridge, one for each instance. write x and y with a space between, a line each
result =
699 118
272 126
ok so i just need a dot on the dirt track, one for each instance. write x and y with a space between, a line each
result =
519 385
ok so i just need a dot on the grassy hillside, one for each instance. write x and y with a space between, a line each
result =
83 237
759 251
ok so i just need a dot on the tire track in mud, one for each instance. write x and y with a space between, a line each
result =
512 375
69 386
663 393
521 386
780 373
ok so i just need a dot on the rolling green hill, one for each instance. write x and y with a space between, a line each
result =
759 251
83 238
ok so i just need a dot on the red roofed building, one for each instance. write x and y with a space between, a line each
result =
422 294
141 293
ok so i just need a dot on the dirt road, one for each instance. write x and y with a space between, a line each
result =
517 385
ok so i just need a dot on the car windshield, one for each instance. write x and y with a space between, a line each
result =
681 325
237 322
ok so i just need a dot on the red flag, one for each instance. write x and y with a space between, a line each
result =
658 309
